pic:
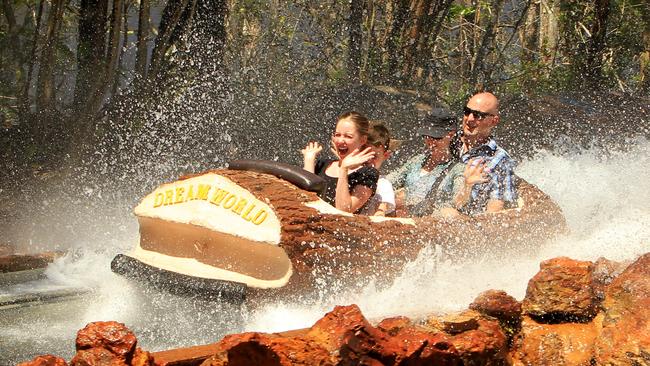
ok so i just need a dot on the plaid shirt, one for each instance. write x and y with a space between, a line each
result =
501 177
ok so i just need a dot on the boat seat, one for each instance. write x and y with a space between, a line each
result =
291 173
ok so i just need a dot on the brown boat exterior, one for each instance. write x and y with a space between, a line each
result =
258 229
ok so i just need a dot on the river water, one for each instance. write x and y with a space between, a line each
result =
605 196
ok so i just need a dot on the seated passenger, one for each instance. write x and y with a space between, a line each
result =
482 181
383 202
350 180
419 179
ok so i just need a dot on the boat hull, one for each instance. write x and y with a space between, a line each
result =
305 246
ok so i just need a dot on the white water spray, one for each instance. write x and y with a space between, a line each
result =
604 195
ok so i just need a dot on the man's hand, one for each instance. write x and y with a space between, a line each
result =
356 158
475 172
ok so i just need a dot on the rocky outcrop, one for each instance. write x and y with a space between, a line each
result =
562 321
45 360
625 333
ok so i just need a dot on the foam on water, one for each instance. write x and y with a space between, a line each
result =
604 195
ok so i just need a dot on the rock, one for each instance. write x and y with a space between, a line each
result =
346 331
485 345
111 335
625 334
268 349
497 304
393 325
97 357
562 290
142 358
45 360
456 322
423 347
568 344
12 262
604 273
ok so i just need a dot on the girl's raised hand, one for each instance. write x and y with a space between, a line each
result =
311 151
357 158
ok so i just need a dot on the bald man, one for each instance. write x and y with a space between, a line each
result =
482 180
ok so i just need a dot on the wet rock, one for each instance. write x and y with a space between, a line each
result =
497 304
346 331
113 336
393 325
625 334
45 360
604 273
540 344
562 290
11 262
269 349
456 322
142 358
97 357
501 306
485 345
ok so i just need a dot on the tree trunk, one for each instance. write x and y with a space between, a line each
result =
112 52
645 54
411 39
487 44
549 12
45 87
432 28
354 57
24 103
529 34
125 44
394 42
90 51
143 39
169 21
592 68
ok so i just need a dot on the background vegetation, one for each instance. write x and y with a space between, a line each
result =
78 74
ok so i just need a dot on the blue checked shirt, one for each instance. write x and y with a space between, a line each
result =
501 173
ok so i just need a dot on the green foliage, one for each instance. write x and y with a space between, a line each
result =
460 10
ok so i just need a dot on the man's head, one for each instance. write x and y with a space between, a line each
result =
380 142
480 116
440 125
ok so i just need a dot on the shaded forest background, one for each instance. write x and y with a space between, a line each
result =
124 78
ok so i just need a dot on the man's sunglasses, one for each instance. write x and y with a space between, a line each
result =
477 114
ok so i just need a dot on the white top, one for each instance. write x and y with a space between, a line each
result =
383 194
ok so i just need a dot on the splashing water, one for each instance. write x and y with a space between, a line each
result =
605 196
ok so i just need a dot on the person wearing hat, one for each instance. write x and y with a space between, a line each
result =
419 179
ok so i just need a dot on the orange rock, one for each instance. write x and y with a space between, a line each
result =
97 357
562 290
111 335
393 325
141 358
497 304
569 344
267 349
625 335
45 360
485 345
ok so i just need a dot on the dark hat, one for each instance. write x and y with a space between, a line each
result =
438 123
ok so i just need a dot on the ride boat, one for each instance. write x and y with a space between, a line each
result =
258 229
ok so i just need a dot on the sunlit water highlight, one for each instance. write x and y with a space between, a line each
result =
604 195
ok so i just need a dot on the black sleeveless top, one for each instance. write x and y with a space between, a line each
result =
365 176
